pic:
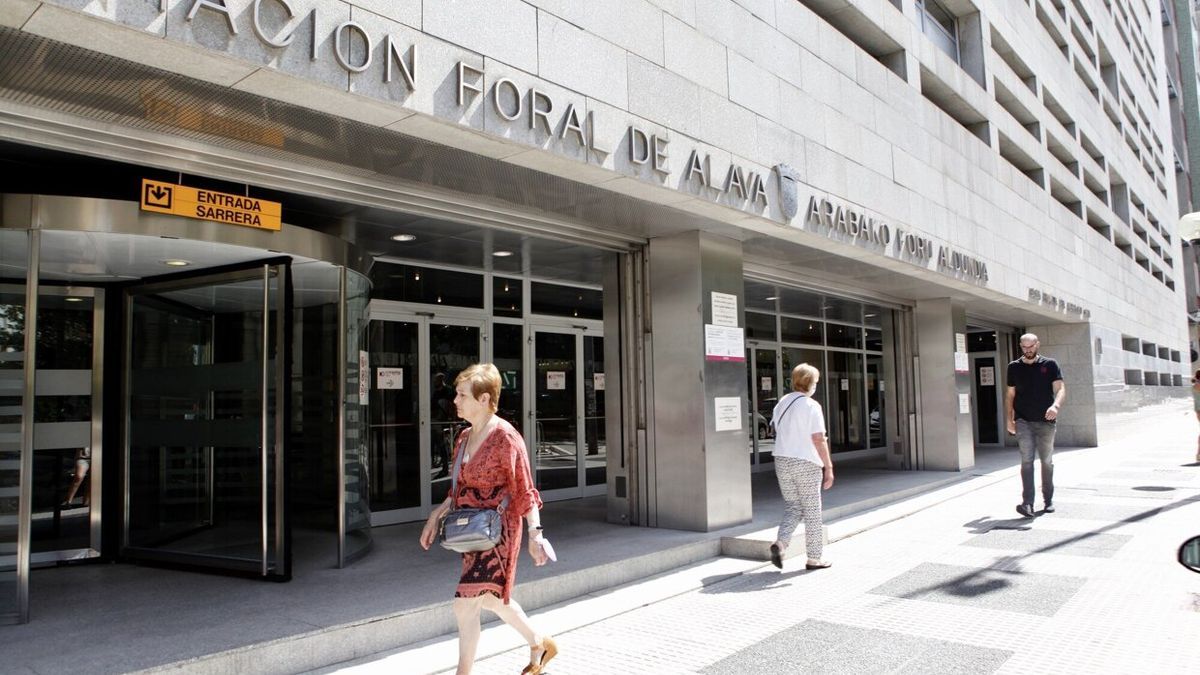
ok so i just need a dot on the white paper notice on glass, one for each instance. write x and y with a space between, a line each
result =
598 381
724 343
962 362
964 403
727 411
724 309
556 379
364 378
845 384
764 384
389 378
960 342
987 376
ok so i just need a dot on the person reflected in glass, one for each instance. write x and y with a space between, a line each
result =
495 468
83 466
1196 406
802 466
442 409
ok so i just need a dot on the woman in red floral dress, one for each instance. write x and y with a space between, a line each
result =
495 467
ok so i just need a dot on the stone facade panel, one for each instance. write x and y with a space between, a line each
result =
578 60
505 30
695 56
753 88
407 12
728 125
633 25
663 97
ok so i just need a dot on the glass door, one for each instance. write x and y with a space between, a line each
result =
205 385
555 411
570 458
414 359
16 413
986 399
845 385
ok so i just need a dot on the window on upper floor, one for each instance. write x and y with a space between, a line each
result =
939 25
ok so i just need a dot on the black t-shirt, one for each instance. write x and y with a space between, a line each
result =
1035 387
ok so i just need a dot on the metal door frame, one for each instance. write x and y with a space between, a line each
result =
390 311
578 328
283 312
975 403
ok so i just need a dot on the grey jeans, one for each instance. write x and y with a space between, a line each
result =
1039 437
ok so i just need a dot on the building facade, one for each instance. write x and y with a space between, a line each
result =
247 244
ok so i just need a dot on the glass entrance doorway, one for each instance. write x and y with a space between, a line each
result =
987 395
414 359
567 439
206 383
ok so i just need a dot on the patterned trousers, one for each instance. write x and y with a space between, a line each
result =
800 484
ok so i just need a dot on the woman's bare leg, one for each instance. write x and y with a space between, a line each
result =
466 612
80 473
514 615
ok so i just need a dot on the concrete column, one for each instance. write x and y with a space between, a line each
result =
1071 344
947 442
701 475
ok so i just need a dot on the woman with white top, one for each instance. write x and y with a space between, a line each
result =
802 465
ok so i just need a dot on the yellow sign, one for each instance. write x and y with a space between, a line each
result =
221 207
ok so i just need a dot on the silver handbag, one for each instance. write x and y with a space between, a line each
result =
466 529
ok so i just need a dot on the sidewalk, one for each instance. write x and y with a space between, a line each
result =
960 583
125 618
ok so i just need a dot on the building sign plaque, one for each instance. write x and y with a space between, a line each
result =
221 207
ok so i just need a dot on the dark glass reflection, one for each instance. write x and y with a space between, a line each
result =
809 331
760 326
196 422
595 455
759 295
451 349
572 301
799 302
981 341
409 283
508 350
848 337
507 298
395 448
766 388
555 434
844 387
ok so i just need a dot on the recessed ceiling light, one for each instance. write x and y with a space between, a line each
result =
770 298
72 298
502 254
403 237
175 263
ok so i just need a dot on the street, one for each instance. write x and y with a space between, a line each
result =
964 585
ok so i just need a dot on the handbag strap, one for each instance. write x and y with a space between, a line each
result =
458 458
789 407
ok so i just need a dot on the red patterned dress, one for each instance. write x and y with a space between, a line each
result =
498 469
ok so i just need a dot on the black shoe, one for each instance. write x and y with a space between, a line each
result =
776 556
818 566
1025 510
1048 508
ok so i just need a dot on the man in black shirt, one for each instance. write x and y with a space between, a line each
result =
1034 395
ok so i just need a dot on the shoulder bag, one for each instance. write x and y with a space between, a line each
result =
774 426
468 530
